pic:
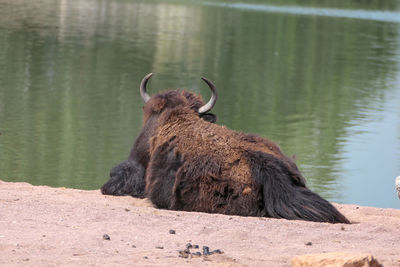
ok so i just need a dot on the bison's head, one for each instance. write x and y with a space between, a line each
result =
171 99
128 177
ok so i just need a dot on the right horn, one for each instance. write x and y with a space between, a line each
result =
143 90
210 104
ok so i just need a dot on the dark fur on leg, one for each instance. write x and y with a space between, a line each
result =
162 173
127 178
284 197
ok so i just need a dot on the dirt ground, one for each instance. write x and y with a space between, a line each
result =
44 226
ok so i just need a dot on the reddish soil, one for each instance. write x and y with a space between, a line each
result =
44 226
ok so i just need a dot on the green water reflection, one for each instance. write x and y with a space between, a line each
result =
327 89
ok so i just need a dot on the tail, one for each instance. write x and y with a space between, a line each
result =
284 197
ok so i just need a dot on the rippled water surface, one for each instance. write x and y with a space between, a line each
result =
321 78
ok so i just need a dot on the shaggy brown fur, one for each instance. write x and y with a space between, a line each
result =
191 164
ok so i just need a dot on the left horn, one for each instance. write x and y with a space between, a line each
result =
210 104
143 90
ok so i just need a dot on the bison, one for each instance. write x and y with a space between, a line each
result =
181 160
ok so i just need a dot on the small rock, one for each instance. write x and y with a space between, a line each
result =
106 237
160 247
342 228
217 251
183 254
145 257
206 251
196 254
133 246
188 246
308 244
172 232
77 254
196 246
127 209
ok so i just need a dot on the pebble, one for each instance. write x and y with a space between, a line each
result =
308 244
183 254
172 232
186 253
106 237
206 250
217 251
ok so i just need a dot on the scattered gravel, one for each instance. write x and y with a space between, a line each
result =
189 253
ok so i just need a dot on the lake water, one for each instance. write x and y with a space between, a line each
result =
320 78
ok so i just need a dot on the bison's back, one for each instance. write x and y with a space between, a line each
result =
212 181
199 166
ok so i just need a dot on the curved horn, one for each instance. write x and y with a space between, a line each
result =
210 104
143 90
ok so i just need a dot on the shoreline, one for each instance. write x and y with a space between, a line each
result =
41 225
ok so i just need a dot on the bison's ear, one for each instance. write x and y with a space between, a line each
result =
208 117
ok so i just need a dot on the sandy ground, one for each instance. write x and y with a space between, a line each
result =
44 226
